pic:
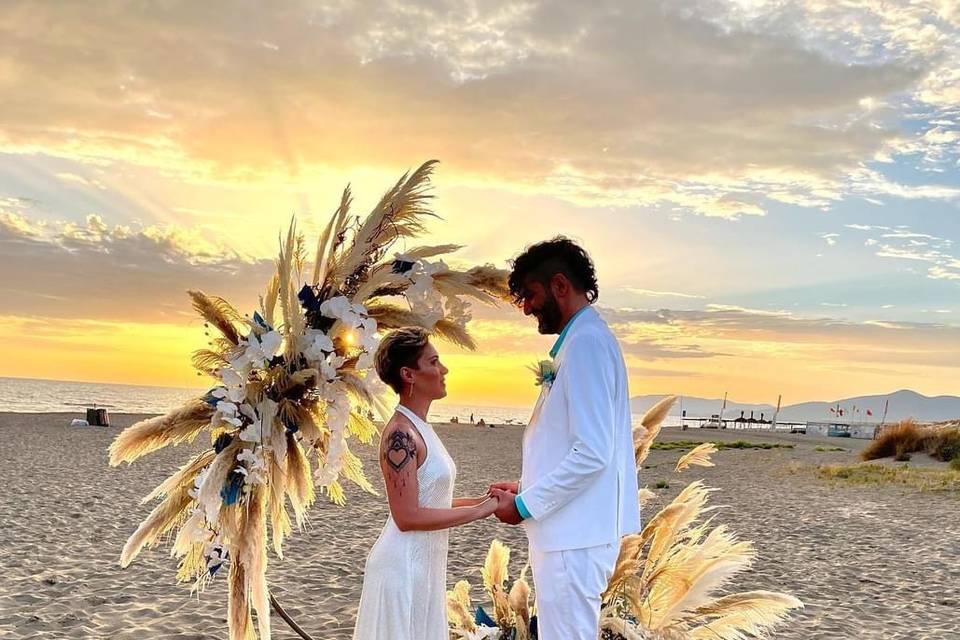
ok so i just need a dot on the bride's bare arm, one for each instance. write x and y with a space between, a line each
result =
401 453
470 502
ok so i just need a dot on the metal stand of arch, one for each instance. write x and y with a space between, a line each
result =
290 621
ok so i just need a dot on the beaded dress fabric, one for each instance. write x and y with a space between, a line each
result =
405 579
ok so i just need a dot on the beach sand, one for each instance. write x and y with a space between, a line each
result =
868 561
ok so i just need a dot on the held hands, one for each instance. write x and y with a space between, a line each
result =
506 511
488 506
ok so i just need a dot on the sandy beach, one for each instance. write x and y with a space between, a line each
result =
874 561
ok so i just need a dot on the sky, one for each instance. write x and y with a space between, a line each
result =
770 190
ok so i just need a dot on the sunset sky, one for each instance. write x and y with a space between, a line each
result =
770 190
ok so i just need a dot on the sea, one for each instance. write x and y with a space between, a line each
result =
25 395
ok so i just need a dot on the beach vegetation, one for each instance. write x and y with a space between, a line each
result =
737 444
907 437
662 484
925 479
829 449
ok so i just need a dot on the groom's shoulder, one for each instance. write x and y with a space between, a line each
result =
592 335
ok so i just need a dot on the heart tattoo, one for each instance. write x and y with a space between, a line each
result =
401 449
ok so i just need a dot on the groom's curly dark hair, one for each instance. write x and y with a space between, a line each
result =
543 260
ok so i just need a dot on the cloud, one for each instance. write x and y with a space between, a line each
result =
673 104
662 294
738 332
123 273
904 244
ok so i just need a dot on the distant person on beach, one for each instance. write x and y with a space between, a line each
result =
481 423
405 578
577 494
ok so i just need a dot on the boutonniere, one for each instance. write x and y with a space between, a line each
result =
545 372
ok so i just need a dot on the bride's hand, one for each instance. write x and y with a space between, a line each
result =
488 507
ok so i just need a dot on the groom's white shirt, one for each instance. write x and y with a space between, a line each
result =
579 477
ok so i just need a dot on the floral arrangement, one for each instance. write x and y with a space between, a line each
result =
666 577
513 618
292 390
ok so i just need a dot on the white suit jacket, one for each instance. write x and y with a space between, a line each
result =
579 477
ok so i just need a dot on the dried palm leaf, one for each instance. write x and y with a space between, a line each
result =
268 302
459 283
398 214
519 600
644 496
299 480
391 316
494 574
183 477
455 333
277 466
649 428
352 470
752 612
362 427
253 556
327 240
628 563
622 628
239 620
146 436
217 312
492 280
207 361
458 606
163 517
700 456
419 253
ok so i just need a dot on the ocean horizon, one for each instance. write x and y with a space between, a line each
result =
37 395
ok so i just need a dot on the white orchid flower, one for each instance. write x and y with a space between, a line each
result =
253 432
330 365
264 348
318 345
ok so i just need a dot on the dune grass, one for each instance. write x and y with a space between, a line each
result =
830 449
905 438
738 444
923 479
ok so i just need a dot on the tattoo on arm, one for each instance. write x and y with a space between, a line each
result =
400 451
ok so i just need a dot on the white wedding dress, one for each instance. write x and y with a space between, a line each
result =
405 579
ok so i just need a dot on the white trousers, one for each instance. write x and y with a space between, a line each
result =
568 586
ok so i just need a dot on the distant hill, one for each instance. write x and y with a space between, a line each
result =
903 404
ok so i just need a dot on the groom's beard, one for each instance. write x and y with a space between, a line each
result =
549 316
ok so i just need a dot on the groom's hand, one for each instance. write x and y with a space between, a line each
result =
507 510
511 487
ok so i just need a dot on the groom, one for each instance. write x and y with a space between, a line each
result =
577 494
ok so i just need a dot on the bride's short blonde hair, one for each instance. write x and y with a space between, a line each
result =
400 348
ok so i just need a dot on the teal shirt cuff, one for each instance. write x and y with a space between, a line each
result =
522 508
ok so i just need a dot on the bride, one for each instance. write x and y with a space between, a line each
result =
404 582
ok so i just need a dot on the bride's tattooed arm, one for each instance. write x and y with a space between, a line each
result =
401 453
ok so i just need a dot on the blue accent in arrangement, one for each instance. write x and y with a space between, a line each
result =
260 321
549 377
533 628
522 508
290 424
563 334
402 266
222 442
211 399
230 492
308 299
483 619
